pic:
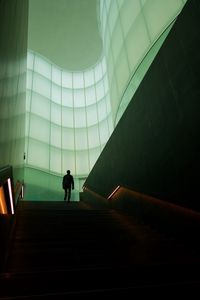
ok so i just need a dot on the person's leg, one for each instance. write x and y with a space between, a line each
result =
69 194
65 197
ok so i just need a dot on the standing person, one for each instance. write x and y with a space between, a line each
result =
68 184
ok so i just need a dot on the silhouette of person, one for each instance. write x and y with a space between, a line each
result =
68 184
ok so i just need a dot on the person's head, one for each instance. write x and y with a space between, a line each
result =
68 171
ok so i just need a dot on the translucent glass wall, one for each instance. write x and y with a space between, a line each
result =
12 113
68 117
13 53
129 29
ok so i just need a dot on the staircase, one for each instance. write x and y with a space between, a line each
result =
61 249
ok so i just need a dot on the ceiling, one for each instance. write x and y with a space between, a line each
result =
65 31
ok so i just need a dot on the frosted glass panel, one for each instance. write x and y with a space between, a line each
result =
159 13
117 41
56 93
38 154
137 50
108 104
55 160
110 124
122 72
113 14
66 79
67 117
39 129
107 46
80 117
55 136
121 2
81 139
40 106
89 78
68 138
41 85
90 95
143 1
104 133
114 93
94 154
79 98
42 67
101 110
129 13
56 113
78 80
82 165
28 100
29 79
27 126
68 161
30 60
103 63
108 4
105 83
98 72
93 136
67 97
56 75
103 23
111 66
92 115
99 90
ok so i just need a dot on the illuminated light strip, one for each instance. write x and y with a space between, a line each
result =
2 207
115 190
11 197
22 192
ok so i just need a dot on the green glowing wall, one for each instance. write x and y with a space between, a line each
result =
129 29
68 121
13 52
70 115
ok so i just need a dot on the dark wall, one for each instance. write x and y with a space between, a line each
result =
155 148
13 54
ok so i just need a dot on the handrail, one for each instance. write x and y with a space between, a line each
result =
163 216
7 205
164 203
147 199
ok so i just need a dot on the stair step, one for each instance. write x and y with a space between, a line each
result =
55 252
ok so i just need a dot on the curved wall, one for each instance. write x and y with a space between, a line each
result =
129 30
68 117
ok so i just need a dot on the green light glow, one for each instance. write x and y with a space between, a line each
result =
69 115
